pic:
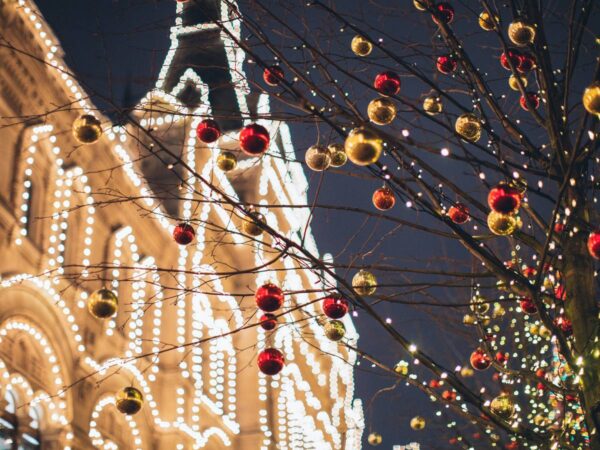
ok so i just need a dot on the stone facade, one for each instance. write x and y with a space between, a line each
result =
65 231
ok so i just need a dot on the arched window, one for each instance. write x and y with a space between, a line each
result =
30 433
8 422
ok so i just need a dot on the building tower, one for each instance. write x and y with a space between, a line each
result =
60 367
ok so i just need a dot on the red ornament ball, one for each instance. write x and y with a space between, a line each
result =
540 373
529 272
254 139
559 227
533 98
208 131
335 306
527 305
184 233
526 63
480 360
449 395
593 244
384 199
273 75
459 213
504 199
268 321
502 358
269 297
388 83
445 13
564 324
433 384
446 64
513 55
270 361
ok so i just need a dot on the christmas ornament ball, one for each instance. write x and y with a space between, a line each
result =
254 139
103 304
530 97
87 129
338 155
458 213
446 64
514 84
268 321
387 83
417 423
486 22
468 126
270 361
527 305
503 406
381 111
420 5
208 131
363 146
183 233
591 98
480 360
526 63
384 199
521 33
269 297
335 306
374 439
129 400
444 13
504 198
479 305
432 105
502 224
364 283
593 244
334 330
273 75
317 158
449 395
226 161
361 46
253 227
513 55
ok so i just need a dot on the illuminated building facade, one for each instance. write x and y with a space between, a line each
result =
65 232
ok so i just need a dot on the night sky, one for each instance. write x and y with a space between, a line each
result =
116 49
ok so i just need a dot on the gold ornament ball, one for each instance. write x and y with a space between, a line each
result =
469 319
317 158
417 423
479 305
418 4
364 283
382 111
253 228
468 126
591 98
485 21
335 330
503 406
513 83
467 372
401 368
540 420
544 332
521 33
226 161
129 400
363 146
432 105
498 311
361 46
103 304
502 224
375 439
87 129
338 155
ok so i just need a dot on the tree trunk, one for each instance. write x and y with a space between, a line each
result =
582 310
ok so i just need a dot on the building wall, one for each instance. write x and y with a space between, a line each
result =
65 230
